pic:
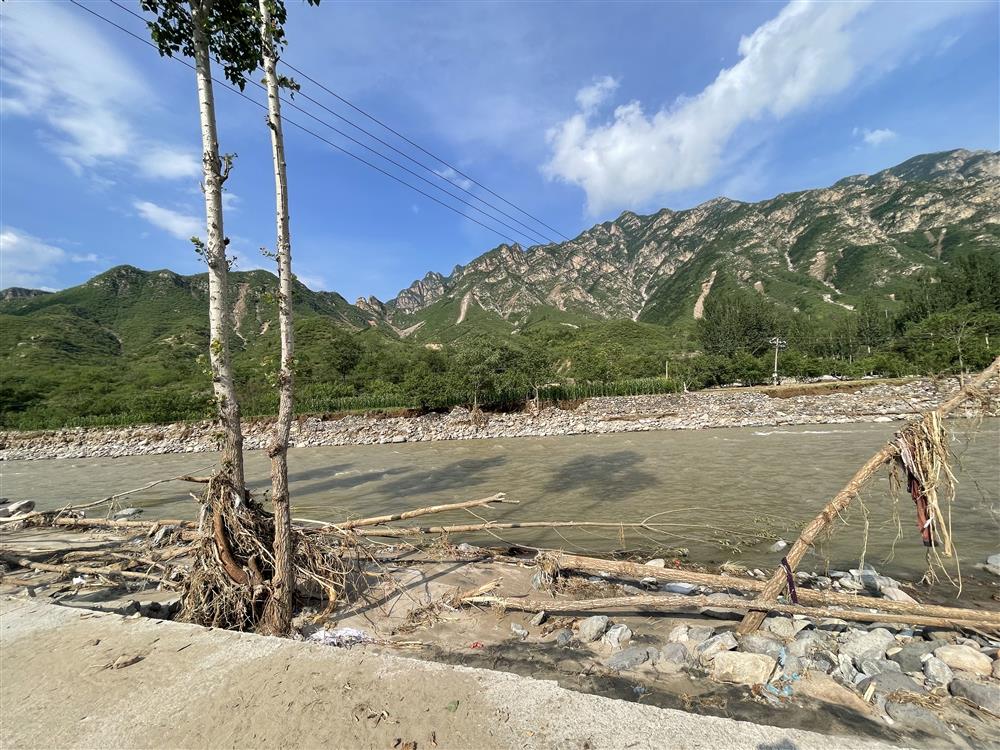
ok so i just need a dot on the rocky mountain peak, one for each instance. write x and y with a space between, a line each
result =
17 292
811 249
373 305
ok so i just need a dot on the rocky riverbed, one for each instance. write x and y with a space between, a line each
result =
881 402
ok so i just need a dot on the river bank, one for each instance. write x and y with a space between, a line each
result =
399 658
823 404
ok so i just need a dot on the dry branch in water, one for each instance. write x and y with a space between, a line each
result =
777 583
499 497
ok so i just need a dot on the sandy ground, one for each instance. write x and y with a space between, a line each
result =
86 679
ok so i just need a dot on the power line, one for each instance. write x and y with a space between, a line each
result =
534 235
421 148
228 87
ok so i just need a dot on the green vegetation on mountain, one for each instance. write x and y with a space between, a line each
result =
897 273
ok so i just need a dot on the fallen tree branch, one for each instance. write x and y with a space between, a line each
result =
499 497
187 527
669 602
400 531
84 570
636 571
57 513
776 585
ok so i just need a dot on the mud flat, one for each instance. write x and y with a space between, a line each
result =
838 403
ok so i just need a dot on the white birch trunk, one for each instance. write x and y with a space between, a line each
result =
279 614
215 256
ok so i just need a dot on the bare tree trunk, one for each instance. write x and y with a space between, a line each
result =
278 615
215 255
832 510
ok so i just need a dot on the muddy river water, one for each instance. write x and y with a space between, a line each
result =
709 488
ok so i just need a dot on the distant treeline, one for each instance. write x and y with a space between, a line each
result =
944 324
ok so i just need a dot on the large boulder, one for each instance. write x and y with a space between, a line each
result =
891 682
965 658
673 657
591 628
983 695
761 643
617 636
678 635
910 657
630 658
743 669
708 650
784 627
698 634
895 594
877 666
937 672
867 645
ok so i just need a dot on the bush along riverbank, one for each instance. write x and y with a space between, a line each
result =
840 404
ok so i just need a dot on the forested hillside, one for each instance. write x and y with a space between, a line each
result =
897 273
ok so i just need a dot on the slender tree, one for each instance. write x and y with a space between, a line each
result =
242 35
278 615
200 29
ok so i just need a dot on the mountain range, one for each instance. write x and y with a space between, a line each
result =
815 252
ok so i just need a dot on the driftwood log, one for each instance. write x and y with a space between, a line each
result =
465 528
636 571
671 602
778 581
499 497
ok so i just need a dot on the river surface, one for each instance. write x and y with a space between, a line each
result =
715 488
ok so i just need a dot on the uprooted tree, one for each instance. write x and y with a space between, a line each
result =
244 575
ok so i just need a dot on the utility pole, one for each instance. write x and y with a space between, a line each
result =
666 363
779 343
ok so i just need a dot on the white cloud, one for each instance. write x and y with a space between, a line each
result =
875 137
85 258
315 283
181 226
589 98
808 52
27 261
168 162
454 177
56 68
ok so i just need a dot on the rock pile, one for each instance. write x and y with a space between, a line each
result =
703 409
889 666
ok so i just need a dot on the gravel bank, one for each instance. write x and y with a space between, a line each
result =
883 402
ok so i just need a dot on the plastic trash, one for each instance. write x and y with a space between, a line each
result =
341 637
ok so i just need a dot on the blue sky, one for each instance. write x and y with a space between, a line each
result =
573 111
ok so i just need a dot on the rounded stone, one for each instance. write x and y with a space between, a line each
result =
965 658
